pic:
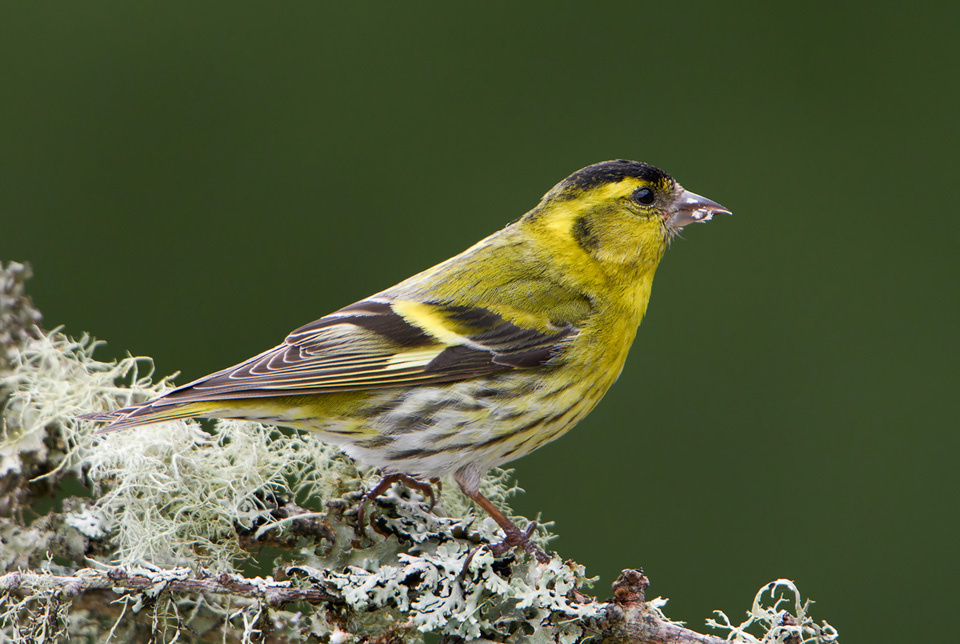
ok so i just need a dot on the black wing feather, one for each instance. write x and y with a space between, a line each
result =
370 345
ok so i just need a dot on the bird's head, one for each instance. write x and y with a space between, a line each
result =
620 212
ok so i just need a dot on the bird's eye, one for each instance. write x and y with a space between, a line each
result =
644 196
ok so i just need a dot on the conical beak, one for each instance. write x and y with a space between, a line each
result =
691 208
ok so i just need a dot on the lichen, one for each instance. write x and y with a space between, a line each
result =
202 497
768 623
449 590
197 505
18 316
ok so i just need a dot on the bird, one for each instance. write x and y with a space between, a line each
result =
477 361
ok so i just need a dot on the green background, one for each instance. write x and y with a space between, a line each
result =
193 182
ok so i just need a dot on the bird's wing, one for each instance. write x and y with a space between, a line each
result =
378 343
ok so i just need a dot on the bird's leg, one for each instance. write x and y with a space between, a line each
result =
384 485
514 536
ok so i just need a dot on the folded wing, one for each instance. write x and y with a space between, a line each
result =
372 344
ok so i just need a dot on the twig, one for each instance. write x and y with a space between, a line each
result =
629 619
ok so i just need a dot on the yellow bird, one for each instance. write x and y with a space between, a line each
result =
479 360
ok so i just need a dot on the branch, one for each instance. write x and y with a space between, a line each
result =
627 619
176 581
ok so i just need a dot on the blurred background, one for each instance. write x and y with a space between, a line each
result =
191 182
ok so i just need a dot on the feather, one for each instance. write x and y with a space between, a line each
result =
376 343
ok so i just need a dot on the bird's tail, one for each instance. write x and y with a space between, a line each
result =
154 411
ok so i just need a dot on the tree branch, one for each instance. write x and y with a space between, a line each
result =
628 619
177 581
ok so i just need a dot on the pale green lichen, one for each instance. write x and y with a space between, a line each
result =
171 493
208 498
18 316
177 494
54 379
441 591
40 617
768 623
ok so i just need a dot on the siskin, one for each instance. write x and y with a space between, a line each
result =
479 360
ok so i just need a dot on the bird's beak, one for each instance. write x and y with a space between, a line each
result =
690 208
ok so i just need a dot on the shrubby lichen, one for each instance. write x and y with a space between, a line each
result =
186 502
767 622
178 494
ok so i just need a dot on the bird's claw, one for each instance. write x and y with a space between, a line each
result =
519 539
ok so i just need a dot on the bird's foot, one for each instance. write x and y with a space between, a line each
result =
517 538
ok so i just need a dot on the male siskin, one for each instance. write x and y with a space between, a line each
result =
479 360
